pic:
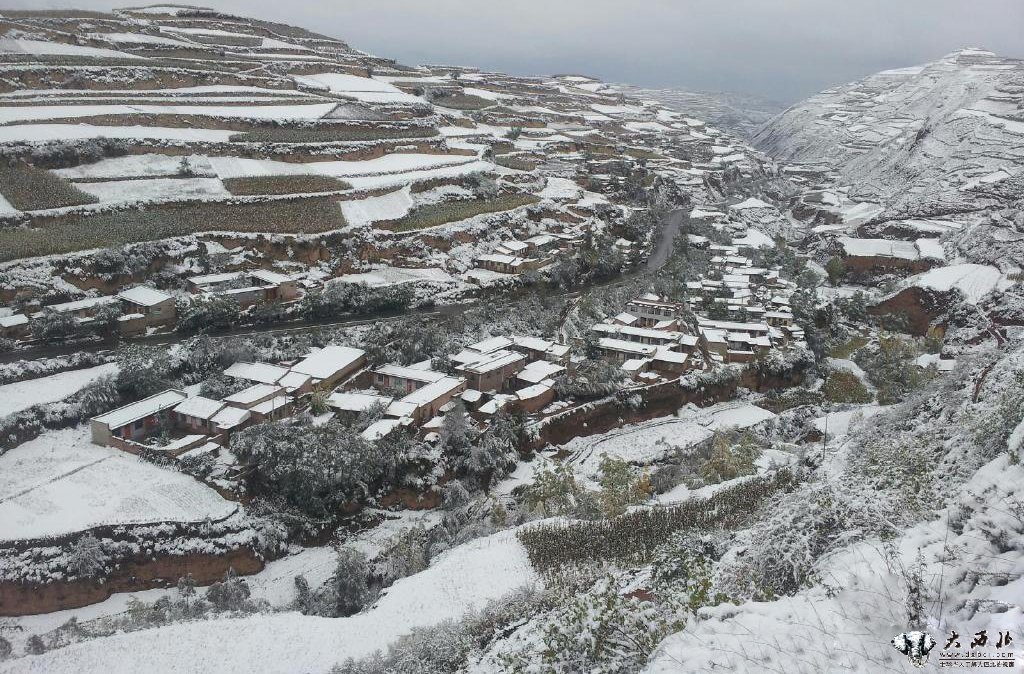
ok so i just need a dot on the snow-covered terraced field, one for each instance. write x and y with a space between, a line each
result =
24 394
60 483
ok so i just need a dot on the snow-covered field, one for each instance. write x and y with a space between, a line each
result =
973 280
650 441
49 132
61 483
156 189
457 582
136 166
292 111
238 167
24 394
391 206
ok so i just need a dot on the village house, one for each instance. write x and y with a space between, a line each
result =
508 264
15 326
83 311
247 287
350 404
294 383
426 391
135 421
489 365
671 339
329 366
143 308
492 371
653 310
537 372
536 348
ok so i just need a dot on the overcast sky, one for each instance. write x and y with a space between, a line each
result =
780 49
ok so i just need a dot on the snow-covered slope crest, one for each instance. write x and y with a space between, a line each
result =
944 473
954 123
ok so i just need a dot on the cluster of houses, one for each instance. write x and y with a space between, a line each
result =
140 308
496 374
652 338
516 257
144 308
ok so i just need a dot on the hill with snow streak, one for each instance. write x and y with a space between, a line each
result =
956 121
919 151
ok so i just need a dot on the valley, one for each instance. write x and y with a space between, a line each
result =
315 361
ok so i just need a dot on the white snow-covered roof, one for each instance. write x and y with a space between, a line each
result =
293 381
213 279
623 346
491 344
255 392
230 417
199 407
141 409
13 320
401 408
666 356
144 296
532 391
78 305
270 276
433 391
538 371
380 428
357 402
264 373
410 373
489 362
268 406
328 361
183 441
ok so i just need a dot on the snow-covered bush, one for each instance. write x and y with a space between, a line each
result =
87 558
994 426
777 555
843 386
448 647
891 368
602 631
346 592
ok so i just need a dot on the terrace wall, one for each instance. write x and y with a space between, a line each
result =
657 400
19 599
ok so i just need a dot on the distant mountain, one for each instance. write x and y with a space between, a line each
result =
917 131
919 151
743 114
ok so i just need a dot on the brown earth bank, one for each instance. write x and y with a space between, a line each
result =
19 599
919 307
657 401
